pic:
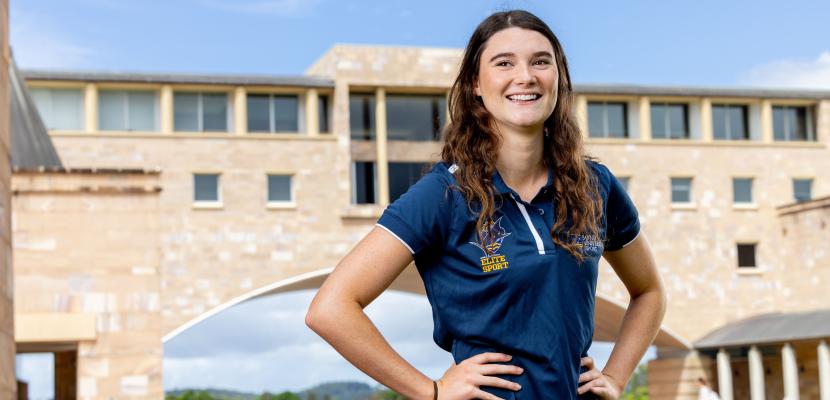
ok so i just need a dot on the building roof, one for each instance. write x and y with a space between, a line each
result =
32 147
768 329
211 79
309 81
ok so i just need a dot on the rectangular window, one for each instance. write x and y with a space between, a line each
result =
206 187
200 112
607 120
279 189
60 109
802 189
746 255
669 121
729 122
402 175
790 124
323 114
363 184
127 110
415 117
362 116
681 190
273 113
742 190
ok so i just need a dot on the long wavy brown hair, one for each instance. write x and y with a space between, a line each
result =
472 143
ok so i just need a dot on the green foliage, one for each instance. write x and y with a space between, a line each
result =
637 388
387 394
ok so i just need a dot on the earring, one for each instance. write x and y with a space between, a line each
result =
547 135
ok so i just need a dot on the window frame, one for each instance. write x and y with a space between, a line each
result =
810 180
745 108
435 111
605 130
36 86
353 178
754 246
681 204
126 105
207 204
687 128
229 110
281 204
809 122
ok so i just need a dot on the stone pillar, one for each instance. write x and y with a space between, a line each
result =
724 375
66 374
756 374
166 109
240 110
645 118
382 163
706 131
90 108
790 371
824 370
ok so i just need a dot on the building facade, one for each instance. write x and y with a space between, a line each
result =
182 195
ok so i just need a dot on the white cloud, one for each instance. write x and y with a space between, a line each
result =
284 8
812 74
37 44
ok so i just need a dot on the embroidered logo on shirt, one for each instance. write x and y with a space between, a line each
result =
589 245
493 236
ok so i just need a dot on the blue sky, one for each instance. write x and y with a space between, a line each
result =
705 43
709 43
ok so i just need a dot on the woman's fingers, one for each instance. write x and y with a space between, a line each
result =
492 381
484 358
587 362
596 383
499 369
589 376
480 394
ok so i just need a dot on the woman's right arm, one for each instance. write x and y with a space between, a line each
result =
336 314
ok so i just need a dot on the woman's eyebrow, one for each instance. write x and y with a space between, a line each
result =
536 54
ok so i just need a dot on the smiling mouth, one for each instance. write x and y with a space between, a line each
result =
524 99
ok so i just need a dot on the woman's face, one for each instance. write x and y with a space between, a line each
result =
518 61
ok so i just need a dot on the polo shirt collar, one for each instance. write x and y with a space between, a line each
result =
501 188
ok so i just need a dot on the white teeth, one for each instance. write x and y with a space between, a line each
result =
523 97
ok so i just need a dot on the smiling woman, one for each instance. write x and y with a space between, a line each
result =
506 233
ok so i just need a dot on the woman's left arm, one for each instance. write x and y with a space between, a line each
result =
635 266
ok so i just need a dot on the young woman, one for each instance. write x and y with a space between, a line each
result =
506 233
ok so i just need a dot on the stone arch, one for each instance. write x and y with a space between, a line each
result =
608 313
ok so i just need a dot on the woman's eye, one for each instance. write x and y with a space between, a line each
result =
543 61
503 62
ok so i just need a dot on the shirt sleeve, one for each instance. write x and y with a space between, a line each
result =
421 217
622 218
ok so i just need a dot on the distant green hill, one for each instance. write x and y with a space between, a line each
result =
323 391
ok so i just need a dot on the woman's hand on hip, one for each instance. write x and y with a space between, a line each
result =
594 381
462 381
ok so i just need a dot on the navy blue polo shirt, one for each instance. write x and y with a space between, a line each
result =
515 292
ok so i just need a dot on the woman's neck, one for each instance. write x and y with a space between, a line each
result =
520 161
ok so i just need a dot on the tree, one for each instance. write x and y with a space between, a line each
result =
637 388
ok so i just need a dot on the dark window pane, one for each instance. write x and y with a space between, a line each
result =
746 255
677 121
362 116
616 120
659 128
323 113
779 123
112 110
214 112
142 110
186 112
402 176
441 112
206 187
410 117
596 120
279 188
742 190
259 118
681 190
800 126
364 183
737 123
286 113
719 121
802 189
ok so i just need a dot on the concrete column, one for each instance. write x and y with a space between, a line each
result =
90 108
724 375
240 110
824 370
312 114
645 118
756 374
382 160
766 121
706 119
166 109
790 368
